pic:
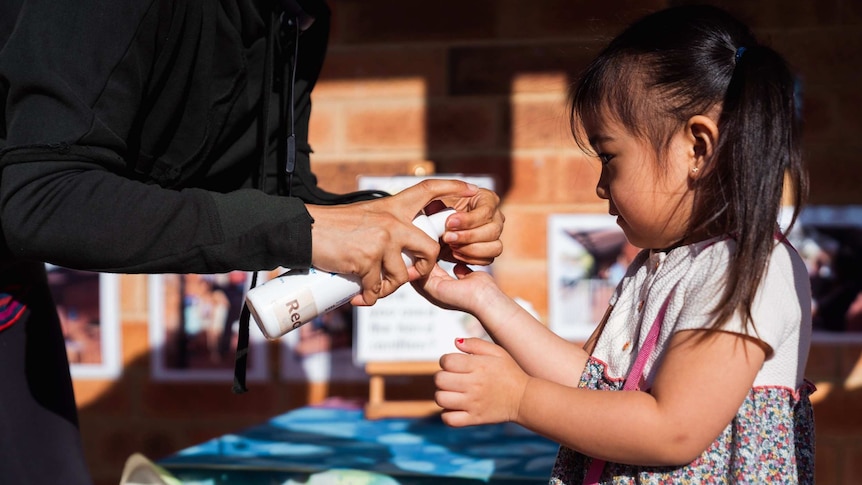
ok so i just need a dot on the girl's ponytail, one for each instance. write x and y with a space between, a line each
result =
757 159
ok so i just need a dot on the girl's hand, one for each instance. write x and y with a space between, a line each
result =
484 385
466 292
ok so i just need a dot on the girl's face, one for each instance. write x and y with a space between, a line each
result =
652 200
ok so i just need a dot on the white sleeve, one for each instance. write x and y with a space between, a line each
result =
777 308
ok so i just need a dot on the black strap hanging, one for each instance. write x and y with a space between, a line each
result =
241 362
241 358
285 26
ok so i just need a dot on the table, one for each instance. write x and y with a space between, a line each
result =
337 445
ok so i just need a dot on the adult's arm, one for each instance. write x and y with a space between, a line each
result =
76 214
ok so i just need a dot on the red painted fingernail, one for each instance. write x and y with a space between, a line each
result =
459 340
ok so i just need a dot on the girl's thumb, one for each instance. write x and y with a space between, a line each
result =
477 346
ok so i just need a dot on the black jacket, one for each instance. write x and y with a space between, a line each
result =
130 135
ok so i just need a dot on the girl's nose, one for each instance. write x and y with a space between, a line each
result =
602 187
602 192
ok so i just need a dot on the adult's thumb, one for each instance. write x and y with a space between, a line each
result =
430 189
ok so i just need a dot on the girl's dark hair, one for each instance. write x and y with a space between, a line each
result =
687 60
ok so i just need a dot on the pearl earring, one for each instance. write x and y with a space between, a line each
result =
694 170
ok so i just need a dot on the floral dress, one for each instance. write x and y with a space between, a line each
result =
771 438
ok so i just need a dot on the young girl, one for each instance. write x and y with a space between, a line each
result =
696 127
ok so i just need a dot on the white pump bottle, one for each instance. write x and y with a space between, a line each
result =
298 296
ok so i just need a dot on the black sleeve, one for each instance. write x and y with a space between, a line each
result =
77 215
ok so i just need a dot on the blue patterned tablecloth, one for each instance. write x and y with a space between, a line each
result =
331 446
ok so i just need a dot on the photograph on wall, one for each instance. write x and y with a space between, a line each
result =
87 303
829 239
321 350
194 326
587 256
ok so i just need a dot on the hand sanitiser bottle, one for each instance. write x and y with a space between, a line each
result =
296 297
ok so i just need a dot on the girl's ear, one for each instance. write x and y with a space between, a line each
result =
702 132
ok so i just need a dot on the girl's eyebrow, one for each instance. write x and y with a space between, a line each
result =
600 138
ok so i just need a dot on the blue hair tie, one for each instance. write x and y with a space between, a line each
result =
739 53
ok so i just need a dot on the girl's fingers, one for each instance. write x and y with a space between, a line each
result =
449 400
461 270
455 363
455 419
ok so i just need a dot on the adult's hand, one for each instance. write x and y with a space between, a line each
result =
473 233
367 238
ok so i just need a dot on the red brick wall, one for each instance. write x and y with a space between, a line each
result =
478 87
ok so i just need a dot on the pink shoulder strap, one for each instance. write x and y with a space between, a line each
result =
632 381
